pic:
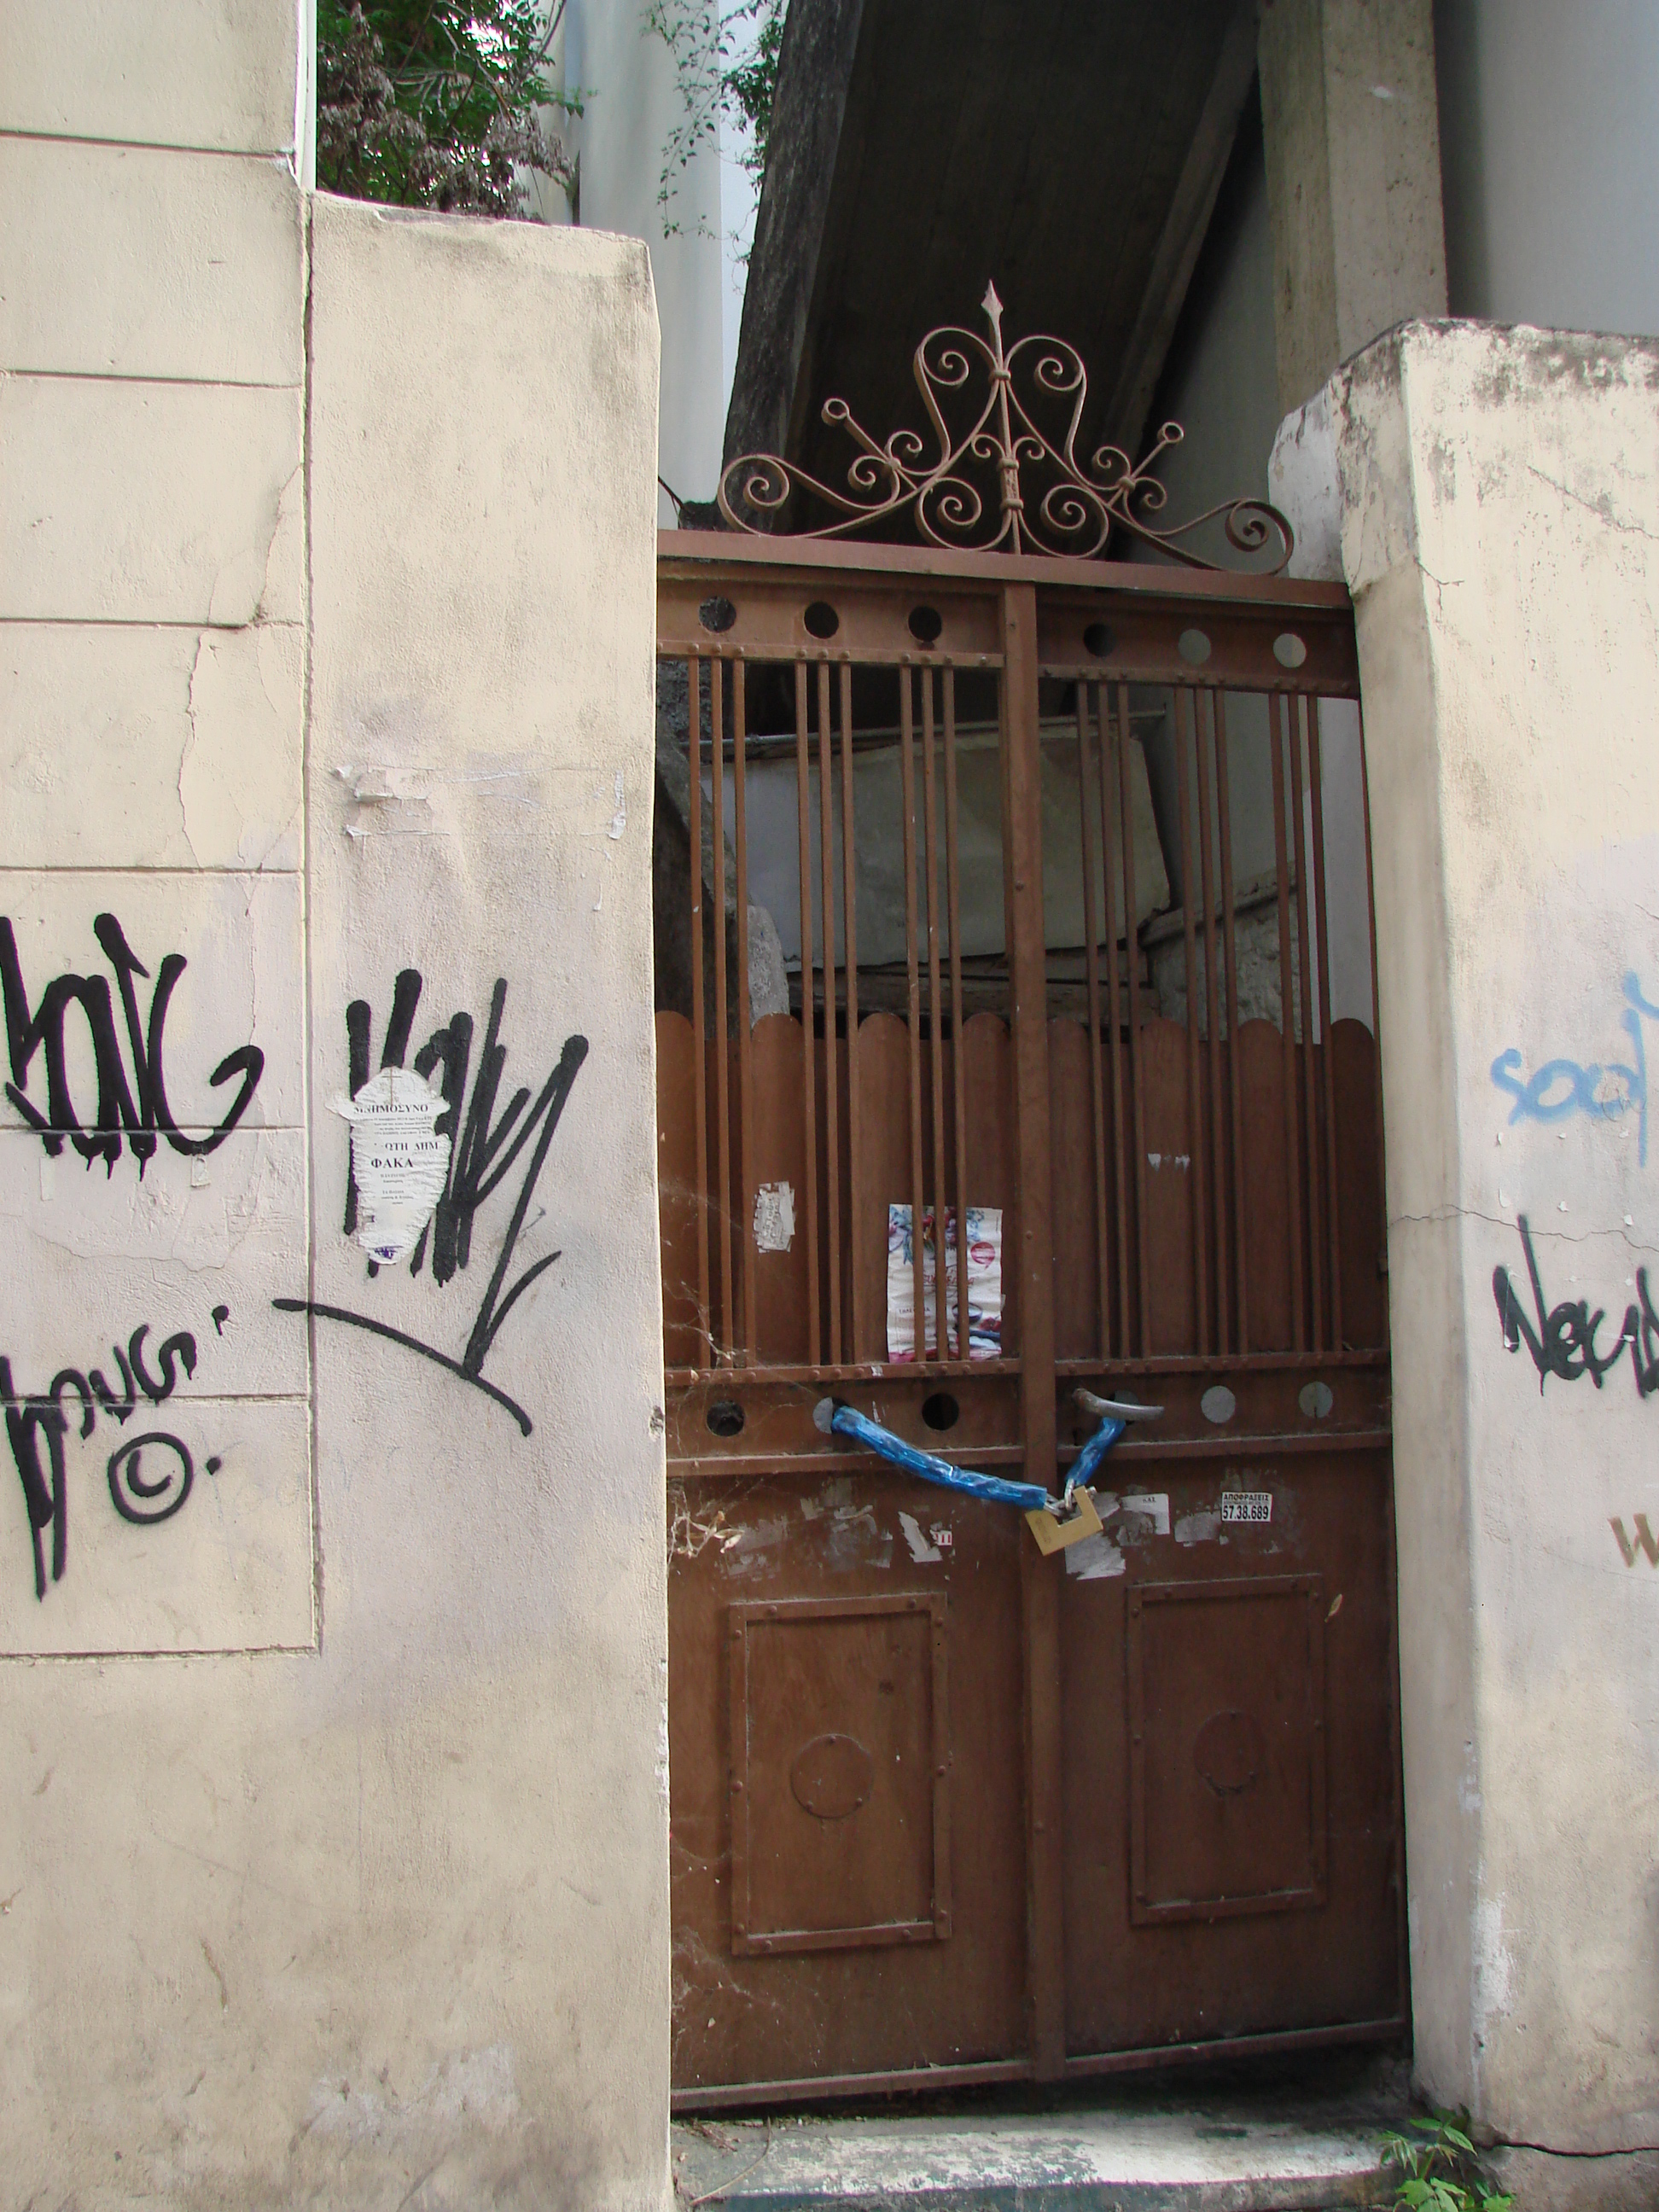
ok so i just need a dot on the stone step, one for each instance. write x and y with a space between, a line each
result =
1227 2152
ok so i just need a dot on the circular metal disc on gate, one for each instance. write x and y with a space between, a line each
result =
1316 1400
1218 1403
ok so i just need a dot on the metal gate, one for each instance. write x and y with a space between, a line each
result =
1027 897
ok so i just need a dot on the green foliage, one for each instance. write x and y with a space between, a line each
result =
717 78
433 103
1439 2171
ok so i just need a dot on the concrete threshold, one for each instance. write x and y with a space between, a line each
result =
1232 2148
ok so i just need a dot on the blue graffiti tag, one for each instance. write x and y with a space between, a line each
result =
1561 1087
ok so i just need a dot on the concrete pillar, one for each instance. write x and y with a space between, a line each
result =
1354 177
1498 496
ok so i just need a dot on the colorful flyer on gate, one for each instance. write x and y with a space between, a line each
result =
984 1284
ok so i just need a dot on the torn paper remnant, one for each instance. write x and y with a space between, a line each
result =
1152 1504
1197 1528
399 1162
774 1217
1091 1559
922 1548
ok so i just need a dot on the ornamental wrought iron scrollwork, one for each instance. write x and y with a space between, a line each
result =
1075 511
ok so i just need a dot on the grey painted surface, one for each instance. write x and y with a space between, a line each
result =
1548 117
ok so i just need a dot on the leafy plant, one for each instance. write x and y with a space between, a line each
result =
1439 2169
720 72
433 103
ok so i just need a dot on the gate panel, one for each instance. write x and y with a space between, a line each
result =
1199 1904
849 1960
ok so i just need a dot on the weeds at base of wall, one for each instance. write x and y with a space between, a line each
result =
1439 2171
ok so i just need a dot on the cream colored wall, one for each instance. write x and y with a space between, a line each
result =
1500 496
332 1865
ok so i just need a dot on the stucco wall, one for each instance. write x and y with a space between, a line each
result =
1499 494
332 1864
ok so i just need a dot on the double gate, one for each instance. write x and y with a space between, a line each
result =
1028 899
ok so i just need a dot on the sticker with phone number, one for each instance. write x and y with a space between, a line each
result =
1247 1506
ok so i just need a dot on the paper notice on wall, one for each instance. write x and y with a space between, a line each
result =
774 1217
984 1284
399 1163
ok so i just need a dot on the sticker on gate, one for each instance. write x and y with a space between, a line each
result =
1254 1505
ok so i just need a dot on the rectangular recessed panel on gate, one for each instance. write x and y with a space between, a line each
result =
1226 1747
840 1821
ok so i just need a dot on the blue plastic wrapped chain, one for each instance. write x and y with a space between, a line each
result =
1113 1415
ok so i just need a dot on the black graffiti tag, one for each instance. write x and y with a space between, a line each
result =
484 1149
140 1492
130 1111
1561 1339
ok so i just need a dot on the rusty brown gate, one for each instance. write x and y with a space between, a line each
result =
1030 895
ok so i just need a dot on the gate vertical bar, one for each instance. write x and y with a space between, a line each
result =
1332 1204
700 1048
1305 995
908 786
1022 830
850 951
1376 1021
1132 956
1213 1015
1186 704
936 1048
1115 1009
745 1062
958 1073
1092 962
831 1102
1287 1019
722 1049
809 1080
1229 950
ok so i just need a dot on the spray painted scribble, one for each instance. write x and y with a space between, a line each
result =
1644 1541
1561 1339
128 1112
482 1149
149 1476
1601 1092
